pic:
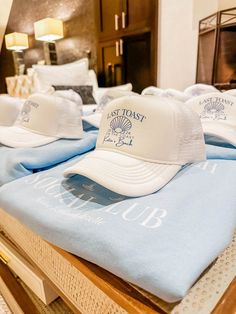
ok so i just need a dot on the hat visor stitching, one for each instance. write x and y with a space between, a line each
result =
129 176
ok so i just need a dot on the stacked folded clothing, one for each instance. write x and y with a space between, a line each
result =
161 242
146 204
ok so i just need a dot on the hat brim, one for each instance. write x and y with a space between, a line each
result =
17 137
123 174
93 119
222 131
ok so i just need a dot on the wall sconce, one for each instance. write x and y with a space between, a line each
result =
17 42
49 30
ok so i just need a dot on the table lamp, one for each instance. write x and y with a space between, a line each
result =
17 42
49 30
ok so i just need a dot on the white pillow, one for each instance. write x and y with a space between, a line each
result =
91 73
31 71
99 93
75 73
85 60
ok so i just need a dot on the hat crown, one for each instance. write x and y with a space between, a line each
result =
152 129
199 89
9 110
51 116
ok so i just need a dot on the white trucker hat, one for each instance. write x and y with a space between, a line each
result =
200 89
142 143
231 92
168 93
70 95
218 115
9 110
94 119
174 94
152 91
42 120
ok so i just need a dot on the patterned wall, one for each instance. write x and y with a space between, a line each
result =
79 31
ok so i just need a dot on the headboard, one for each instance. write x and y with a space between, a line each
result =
20 85
23 86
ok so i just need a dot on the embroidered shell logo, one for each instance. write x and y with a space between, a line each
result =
214 110
214 107
120 124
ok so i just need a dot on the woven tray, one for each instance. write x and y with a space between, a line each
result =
56 307
89 289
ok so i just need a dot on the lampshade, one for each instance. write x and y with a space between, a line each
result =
16 41
48 29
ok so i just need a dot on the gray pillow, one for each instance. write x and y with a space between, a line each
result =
85 92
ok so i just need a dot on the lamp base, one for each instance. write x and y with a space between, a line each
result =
50 53
18 59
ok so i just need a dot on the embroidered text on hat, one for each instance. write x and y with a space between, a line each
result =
218 115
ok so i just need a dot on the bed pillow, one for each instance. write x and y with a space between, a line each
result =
31 71
82 60
85 92
75 73
99 93
91 73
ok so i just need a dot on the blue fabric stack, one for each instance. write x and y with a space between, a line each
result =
161 242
